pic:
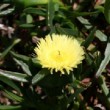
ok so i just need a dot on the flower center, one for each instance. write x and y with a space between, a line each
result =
57 56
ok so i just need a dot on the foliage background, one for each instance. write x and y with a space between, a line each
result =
24 85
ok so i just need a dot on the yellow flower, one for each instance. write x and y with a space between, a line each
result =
59 53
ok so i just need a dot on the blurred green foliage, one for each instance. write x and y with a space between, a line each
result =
24 85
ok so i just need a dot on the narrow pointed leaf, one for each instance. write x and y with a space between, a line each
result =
50 14
35 61
85 22
101 36
25 59
14 75
24 66
89 38
67 31
9 83
20 57
102 83
105 61
107 10
13 96
39 76
36 11
9 107
105 90
27 25
9 48
8 11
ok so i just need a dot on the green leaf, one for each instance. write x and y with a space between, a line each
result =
24 66
85 22
105 90
36 62
14 75
67 31
36 11
16 41
80 14
28 3
5 12
102 83
100 8
26 59
13 96
100 35
89 59
40 75
29 18
20 57
105 61
107 10
9 83
26 25
89 39
50 14
9 107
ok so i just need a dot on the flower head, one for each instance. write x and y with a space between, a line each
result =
59 53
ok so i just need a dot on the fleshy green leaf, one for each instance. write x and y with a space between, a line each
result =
27 25
14 75
100 35
89 38
105 90
85 22
9 83
26 59
5 12
107 10
29 18
100 8
39 76
13 96
67 31
50 14
24 66
20 57
105 61
9 107
36 62
102 83
32 10
16 41
89 59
